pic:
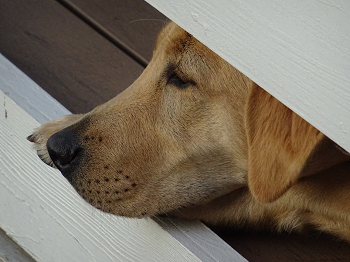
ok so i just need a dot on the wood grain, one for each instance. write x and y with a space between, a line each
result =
134 22
62 54
10 251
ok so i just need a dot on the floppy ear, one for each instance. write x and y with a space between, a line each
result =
279 144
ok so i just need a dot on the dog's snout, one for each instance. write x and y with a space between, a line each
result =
62 148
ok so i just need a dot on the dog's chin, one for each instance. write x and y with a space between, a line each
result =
182 213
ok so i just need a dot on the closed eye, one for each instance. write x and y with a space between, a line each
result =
177 80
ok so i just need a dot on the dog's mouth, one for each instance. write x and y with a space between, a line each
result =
44 156
111 192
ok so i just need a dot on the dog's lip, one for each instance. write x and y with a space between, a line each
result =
31 138
67 172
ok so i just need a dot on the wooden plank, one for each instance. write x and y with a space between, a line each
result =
10 251
193 235
62 54
43 213
297 51
264 246
11 78
201 241
134 22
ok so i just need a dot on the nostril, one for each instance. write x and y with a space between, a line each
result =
62 149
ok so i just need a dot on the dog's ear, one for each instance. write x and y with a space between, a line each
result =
279 144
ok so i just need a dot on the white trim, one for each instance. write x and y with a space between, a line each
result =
299 51
45 216
200 240
26 93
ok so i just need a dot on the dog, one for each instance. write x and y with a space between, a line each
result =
193 137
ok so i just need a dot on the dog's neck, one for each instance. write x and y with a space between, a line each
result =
326 155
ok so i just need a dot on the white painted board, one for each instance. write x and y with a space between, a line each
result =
10 251
299 51
26 93
44 215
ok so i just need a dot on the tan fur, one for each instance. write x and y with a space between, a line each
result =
217 148
279 142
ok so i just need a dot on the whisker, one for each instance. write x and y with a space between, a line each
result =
148 20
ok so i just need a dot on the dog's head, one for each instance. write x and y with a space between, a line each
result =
180 135
166 142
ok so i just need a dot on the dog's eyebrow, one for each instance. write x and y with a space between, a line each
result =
171 67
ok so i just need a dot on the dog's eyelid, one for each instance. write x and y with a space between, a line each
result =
177 78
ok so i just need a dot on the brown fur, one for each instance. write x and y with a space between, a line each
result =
212 146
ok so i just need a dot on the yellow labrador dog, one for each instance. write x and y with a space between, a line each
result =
193 137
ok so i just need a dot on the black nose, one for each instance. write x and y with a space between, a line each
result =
63 149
